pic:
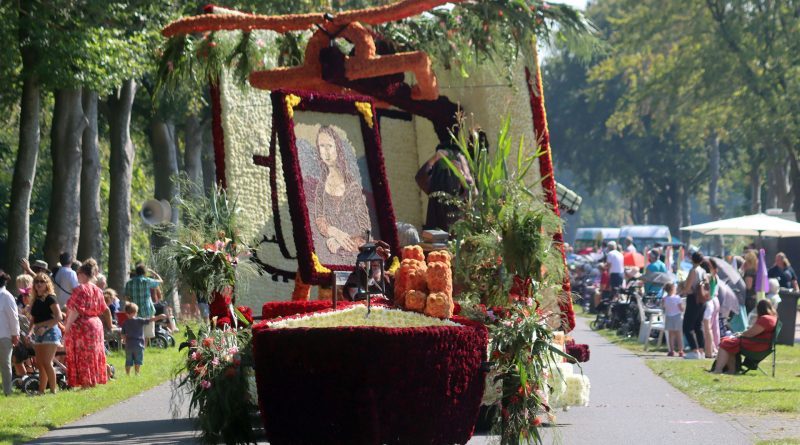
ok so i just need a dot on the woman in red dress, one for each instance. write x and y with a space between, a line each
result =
86 358
762 330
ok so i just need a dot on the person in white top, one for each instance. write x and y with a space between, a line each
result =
629 246
673 310
616 265
65 280
9 331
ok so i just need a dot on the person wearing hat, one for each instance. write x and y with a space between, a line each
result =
38 266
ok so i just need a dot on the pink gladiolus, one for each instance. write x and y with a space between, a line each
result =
205 384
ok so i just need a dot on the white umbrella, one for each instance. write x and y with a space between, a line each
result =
751 225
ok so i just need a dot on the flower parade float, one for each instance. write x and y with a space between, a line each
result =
474 325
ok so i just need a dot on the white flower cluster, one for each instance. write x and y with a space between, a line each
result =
568 388
357 316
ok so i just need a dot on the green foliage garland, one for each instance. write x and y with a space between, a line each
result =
507 266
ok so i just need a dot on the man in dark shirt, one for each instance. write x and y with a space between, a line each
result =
782 270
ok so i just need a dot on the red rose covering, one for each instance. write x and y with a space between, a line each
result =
368 385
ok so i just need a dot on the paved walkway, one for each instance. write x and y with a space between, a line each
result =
629 404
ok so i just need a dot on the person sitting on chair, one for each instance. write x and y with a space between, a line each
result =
761 330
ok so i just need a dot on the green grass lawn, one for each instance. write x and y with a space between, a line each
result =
24 418
779 442
752 393
747 394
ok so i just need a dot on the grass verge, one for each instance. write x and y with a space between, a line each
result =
25 417
752 393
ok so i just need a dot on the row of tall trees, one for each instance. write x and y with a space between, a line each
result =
687 96
75 76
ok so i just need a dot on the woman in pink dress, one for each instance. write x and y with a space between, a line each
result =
86 358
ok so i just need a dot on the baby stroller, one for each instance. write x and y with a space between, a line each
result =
163 338
29 383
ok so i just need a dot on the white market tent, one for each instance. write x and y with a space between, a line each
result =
759 225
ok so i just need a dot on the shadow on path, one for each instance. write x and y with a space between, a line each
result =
146 431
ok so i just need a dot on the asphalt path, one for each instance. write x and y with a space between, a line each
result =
629 405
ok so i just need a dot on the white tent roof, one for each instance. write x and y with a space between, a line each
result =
751 225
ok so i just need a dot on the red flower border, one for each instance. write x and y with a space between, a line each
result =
536 95
369 384
218 134
284 124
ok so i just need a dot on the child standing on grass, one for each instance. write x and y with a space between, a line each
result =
673 310
133 330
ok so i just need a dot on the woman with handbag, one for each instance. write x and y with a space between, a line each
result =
696 291
86 358
46 334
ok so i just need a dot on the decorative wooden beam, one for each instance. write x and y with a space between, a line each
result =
235 20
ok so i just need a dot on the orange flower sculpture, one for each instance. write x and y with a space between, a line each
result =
439 304
415 300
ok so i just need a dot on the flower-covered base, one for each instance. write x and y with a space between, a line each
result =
370 385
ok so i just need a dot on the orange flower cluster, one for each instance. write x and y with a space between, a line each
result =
302 291
364 64
422 287
299 22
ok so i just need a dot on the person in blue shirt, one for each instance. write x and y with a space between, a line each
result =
656 265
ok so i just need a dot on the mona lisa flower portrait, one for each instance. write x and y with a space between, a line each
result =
336 178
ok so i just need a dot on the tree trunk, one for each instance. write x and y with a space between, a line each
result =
208 159
755 187
673 204
686 212
18 241
91 238
121 170
193 153
795 184
713 189
63 221
165 169
24 174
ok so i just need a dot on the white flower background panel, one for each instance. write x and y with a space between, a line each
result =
246 115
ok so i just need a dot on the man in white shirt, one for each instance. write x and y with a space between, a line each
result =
616 265
9 331
65 280
629 246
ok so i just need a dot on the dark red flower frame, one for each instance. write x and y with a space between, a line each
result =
284 125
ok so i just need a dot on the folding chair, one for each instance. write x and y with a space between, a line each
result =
749 360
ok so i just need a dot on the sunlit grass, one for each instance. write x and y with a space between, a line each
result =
24 418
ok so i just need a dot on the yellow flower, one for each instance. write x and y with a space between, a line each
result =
365 108
395 265
318 267
291 102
